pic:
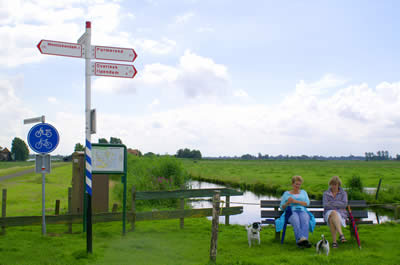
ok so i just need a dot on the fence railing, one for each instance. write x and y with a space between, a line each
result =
132 215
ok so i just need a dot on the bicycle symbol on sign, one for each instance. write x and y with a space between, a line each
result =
44 143
40 132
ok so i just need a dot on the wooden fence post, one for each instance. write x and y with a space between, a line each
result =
227 205
377 190
3 211
215 223
70 208
133 208
182 208
57 209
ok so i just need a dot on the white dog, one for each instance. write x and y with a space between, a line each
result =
253 232
322 245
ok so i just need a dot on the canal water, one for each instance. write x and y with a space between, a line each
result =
251 205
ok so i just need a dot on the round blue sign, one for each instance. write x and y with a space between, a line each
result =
43 138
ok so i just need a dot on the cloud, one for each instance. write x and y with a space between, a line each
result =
52 100
240 93
205 29
309 127
113 85
12 110
194 77
62 21
304 127
182 19
161 47
154 103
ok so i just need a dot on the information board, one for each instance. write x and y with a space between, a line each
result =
108 159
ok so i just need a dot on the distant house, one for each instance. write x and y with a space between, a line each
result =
134 152
5 155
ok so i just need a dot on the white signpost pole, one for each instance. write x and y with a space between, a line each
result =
88 148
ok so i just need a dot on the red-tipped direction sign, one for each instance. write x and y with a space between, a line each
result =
114 70
114 53
60 48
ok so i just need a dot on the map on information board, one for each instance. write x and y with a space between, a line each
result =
107 159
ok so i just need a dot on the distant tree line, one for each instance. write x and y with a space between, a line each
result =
187 153
288 157
380 155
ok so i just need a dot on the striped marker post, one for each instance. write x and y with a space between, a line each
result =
88 149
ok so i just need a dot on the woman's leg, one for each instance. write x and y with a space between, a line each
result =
335 225
333 228
295 221
304 224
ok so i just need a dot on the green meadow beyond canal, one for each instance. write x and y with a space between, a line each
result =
273 177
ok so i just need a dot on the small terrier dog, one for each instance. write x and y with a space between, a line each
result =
322 245
253 232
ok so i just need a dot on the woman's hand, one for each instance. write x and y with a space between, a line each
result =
290 200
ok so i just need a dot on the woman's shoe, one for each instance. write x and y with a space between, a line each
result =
342 239
302 240
334 245
307 244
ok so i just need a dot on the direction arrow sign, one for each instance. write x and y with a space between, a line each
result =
114 70
114 53
34 120
60 48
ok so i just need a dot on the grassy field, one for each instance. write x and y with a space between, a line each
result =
24 193
162 242
275 176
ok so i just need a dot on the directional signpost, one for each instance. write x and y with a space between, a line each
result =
113 70
43 138
114 54
52 47
83 49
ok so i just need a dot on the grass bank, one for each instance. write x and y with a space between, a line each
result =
269 176
163 242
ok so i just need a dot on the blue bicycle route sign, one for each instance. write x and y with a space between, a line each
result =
43 138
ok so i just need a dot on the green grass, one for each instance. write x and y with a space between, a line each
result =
4 164
24 193
163 242
275 176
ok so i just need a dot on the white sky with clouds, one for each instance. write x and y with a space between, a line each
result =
224 77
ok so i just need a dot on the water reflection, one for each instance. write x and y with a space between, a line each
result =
251 205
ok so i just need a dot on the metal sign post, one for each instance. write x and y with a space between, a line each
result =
83 49
88 148
43 166
43 138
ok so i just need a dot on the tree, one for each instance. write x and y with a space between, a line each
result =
187 153
79 147
19 150
103 141
114 140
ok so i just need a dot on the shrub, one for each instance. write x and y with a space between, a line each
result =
355 188
152 173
